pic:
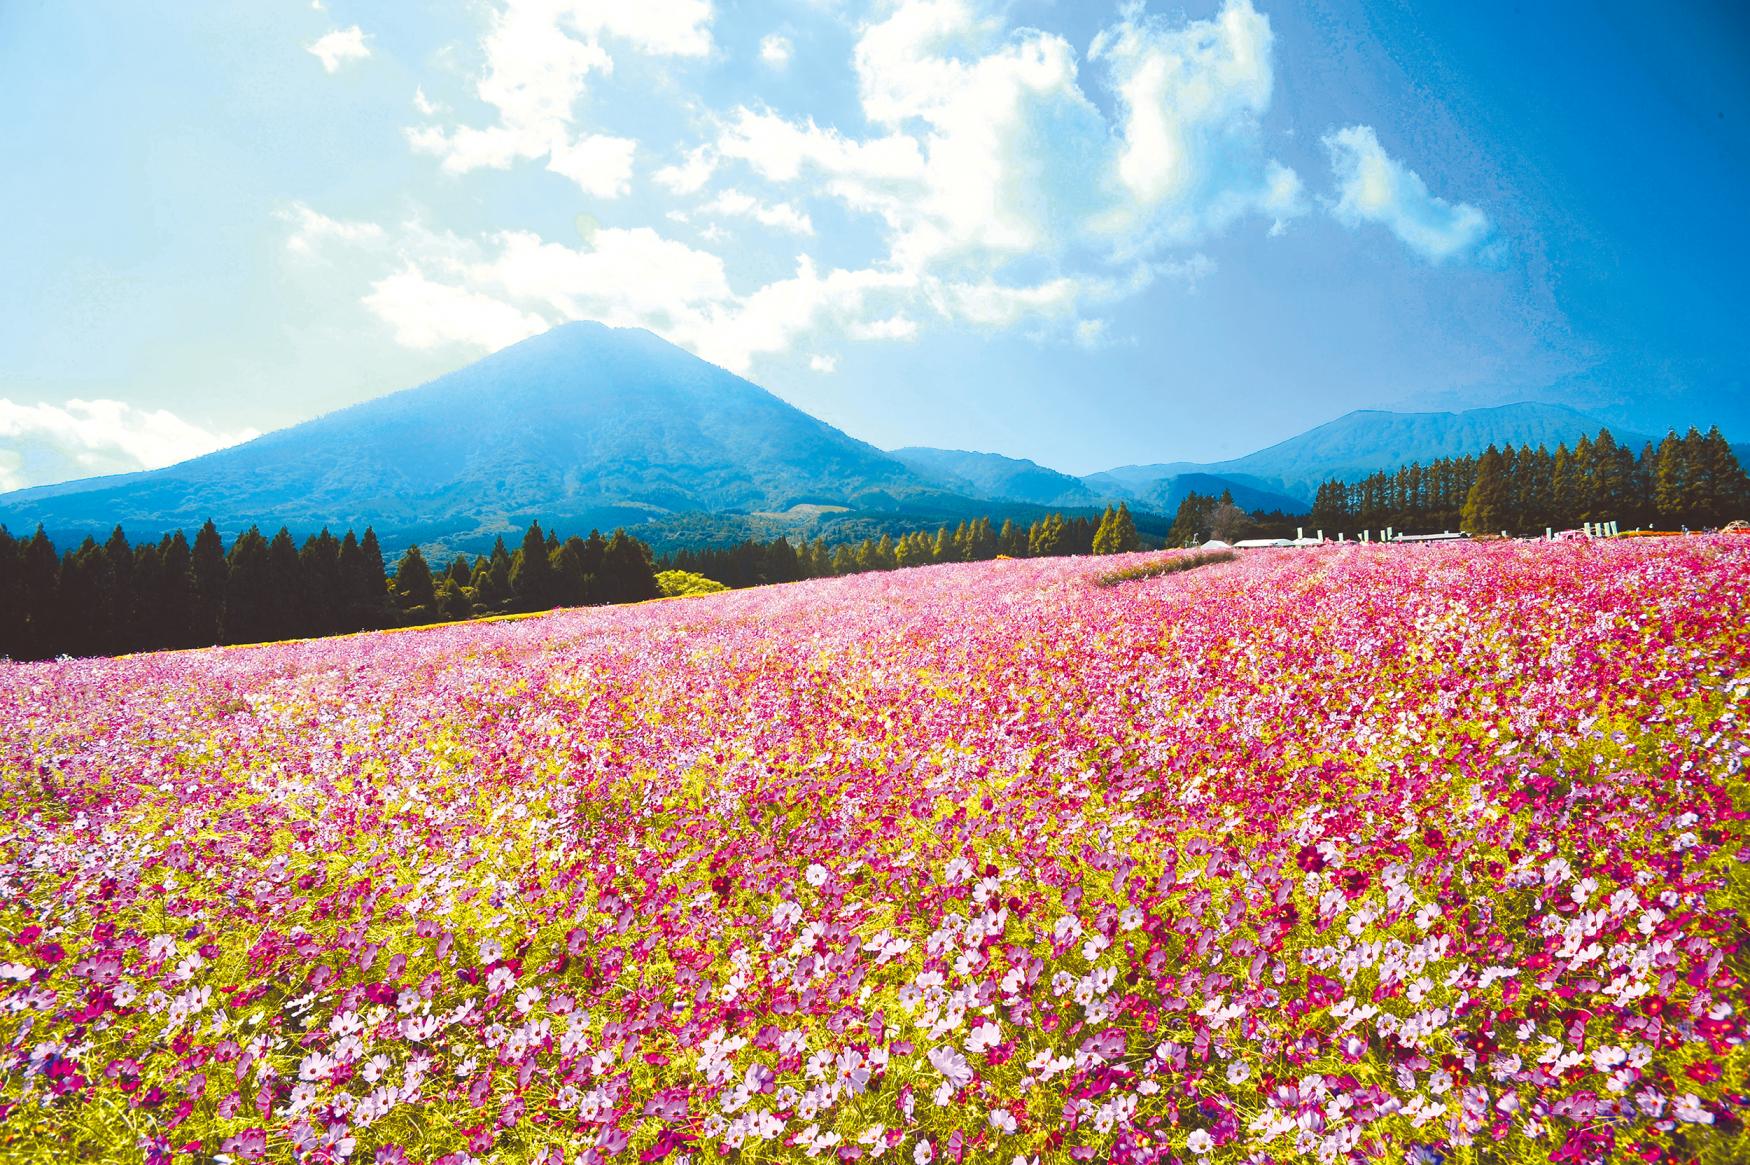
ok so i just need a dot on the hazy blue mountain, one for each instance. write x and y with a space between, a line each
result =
1367 440
995 477
583 425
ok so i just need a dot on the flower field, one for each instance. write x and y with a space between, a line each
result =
1359 853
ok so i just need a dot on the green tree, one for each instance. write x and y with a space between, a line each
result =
285 615
122 630
175 609
319 574
627 574
248 590
210 574
531 573
1486 506
415 594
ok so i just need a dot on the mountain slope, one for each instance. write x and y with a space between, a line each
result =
584 424
1368 440
995 477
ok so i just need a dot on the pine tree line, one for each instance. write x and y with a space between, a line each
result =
112 597
755 563
1693 481
542 573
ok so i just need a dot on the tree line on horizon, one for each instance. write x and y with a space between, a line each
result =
755 563
114 597
111 597
1689 482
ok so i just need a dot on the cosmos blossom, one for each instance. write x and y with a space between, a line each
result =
1350 852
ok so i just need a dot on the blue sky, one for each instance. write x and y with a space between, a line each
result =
1089 234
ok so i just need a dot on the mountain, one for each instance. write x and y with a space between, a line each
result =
583 425
1369 440
995 477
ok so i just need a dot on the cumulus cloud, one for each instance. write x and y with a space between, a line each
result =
775 50
341 45
825 365
689 175
45 443
988 158
311 230
1373 187
996 177
539 56
428 313
779 215
599 164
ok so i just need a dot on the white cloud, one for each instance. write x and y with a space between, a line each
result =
825 365
539 56
624 276
424 104
1190 157
599 164
775 50
1002 193
689 175
1373 187
989 158
895 327
425 313
1091 333
779 215
312 229
341 45
45 443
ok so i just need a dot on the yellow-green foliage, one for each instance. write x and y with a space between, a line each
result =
676 583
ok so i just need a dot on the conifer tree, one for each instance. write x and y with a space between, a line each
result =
175 607
322 600
210 572
531 572
373 583
1671 484
123 632
248 590
12 610
285 615
1124 536
1486 505
1103 533
40 578
627 573
415 594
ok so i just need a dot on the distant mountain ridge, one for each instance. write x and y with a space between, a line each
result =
1369 440
587 425
993 476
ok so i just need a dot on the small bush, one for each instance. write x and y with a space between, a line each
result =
674 583
1173 565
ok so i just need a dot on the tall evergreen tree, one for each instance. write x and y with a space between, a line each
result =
175 610
122 631
285 616
209 572
1103 534
40 577
415 594
12 600
324 589
627 573
1486 506
373 583
1124 537
531 572
248 591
